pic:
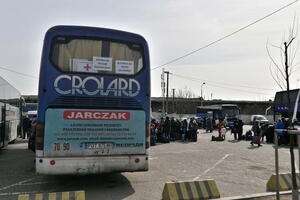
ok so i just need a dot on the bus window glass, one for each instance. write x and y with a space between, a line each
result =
96 56
231 112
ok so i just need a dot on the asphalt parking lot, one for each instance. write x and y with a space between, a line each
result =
237 167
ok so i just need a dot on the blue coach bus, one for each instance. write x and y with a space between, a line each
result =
220 111
281 107
94 102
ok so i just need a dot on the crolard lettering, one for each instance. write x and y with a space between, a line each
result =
95 115
117 87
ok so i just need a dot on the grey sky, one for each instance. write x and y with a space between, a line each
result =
172 29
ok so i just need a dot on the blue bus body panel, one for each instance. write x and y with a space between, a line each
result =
48 96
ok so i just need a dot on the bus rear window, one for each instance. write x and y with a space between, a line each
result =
96 56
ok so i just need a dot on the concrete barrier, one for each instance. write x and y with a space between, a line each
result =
285 182
189 190
74 195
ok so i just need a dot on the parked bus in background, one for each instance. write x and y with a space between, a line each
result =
230 111
281 105
10 103
94 102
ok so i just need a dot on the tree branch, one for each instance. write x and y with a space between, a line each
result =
270 69
274 61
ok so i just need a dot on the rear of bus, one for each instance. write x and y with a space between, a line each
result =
231 112
94 102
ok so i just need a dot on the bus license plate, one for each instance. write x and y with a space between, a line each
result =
97 145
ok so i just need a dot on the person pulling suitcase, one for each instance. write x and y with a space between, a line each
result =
257 134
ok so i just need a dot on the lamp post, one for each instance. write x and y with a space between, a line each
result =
201 93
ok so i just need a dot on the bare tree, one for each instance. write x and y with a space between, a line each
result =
281 73
282 70
182 95
185 93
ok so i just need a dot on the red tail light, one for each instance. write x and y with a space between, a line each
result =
52 162
39 137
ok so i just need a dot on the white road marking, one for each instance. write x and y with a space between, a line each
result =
18 193
212 167
178 152
35 183
19 183
296 163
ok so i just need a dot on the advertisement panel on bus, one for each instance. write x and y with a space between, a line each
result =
86 132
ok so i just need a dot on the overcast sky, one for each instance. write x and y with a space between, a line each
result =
236 68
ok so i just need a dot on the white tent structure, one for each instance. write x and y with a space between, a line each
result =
7 91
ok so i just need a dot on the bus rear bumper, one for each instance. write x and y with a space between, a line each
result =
91 165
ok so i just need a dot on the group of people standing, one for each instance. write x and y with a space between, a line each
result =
167 130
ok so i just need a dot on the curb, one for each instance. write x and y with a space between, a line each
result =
203 189
252 196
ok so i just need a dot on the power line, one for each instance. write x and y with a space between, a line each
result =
242 86
224 37
214 85
20 73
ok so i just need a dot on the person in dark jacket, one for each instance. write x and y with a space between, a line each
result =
173 129
167 128
234 129
26 127
240 129
193 129
184 127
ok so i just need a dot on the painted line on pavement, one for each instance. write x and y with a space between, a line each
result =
214 166
17 193
35 183
296 163
19 183
179 152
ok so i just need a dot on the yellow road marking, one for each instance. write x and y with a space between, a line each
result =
23 197
65 196
79 195
52 196
38 196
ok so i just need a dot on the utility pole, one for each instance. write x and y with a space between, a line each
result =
167 90
173 100
163 90
201 93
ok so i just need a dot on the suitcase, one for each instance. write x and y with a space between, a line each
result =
256 140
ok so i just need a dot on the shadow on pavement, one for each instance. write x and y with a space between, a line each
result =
107 186
254 146
233 141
